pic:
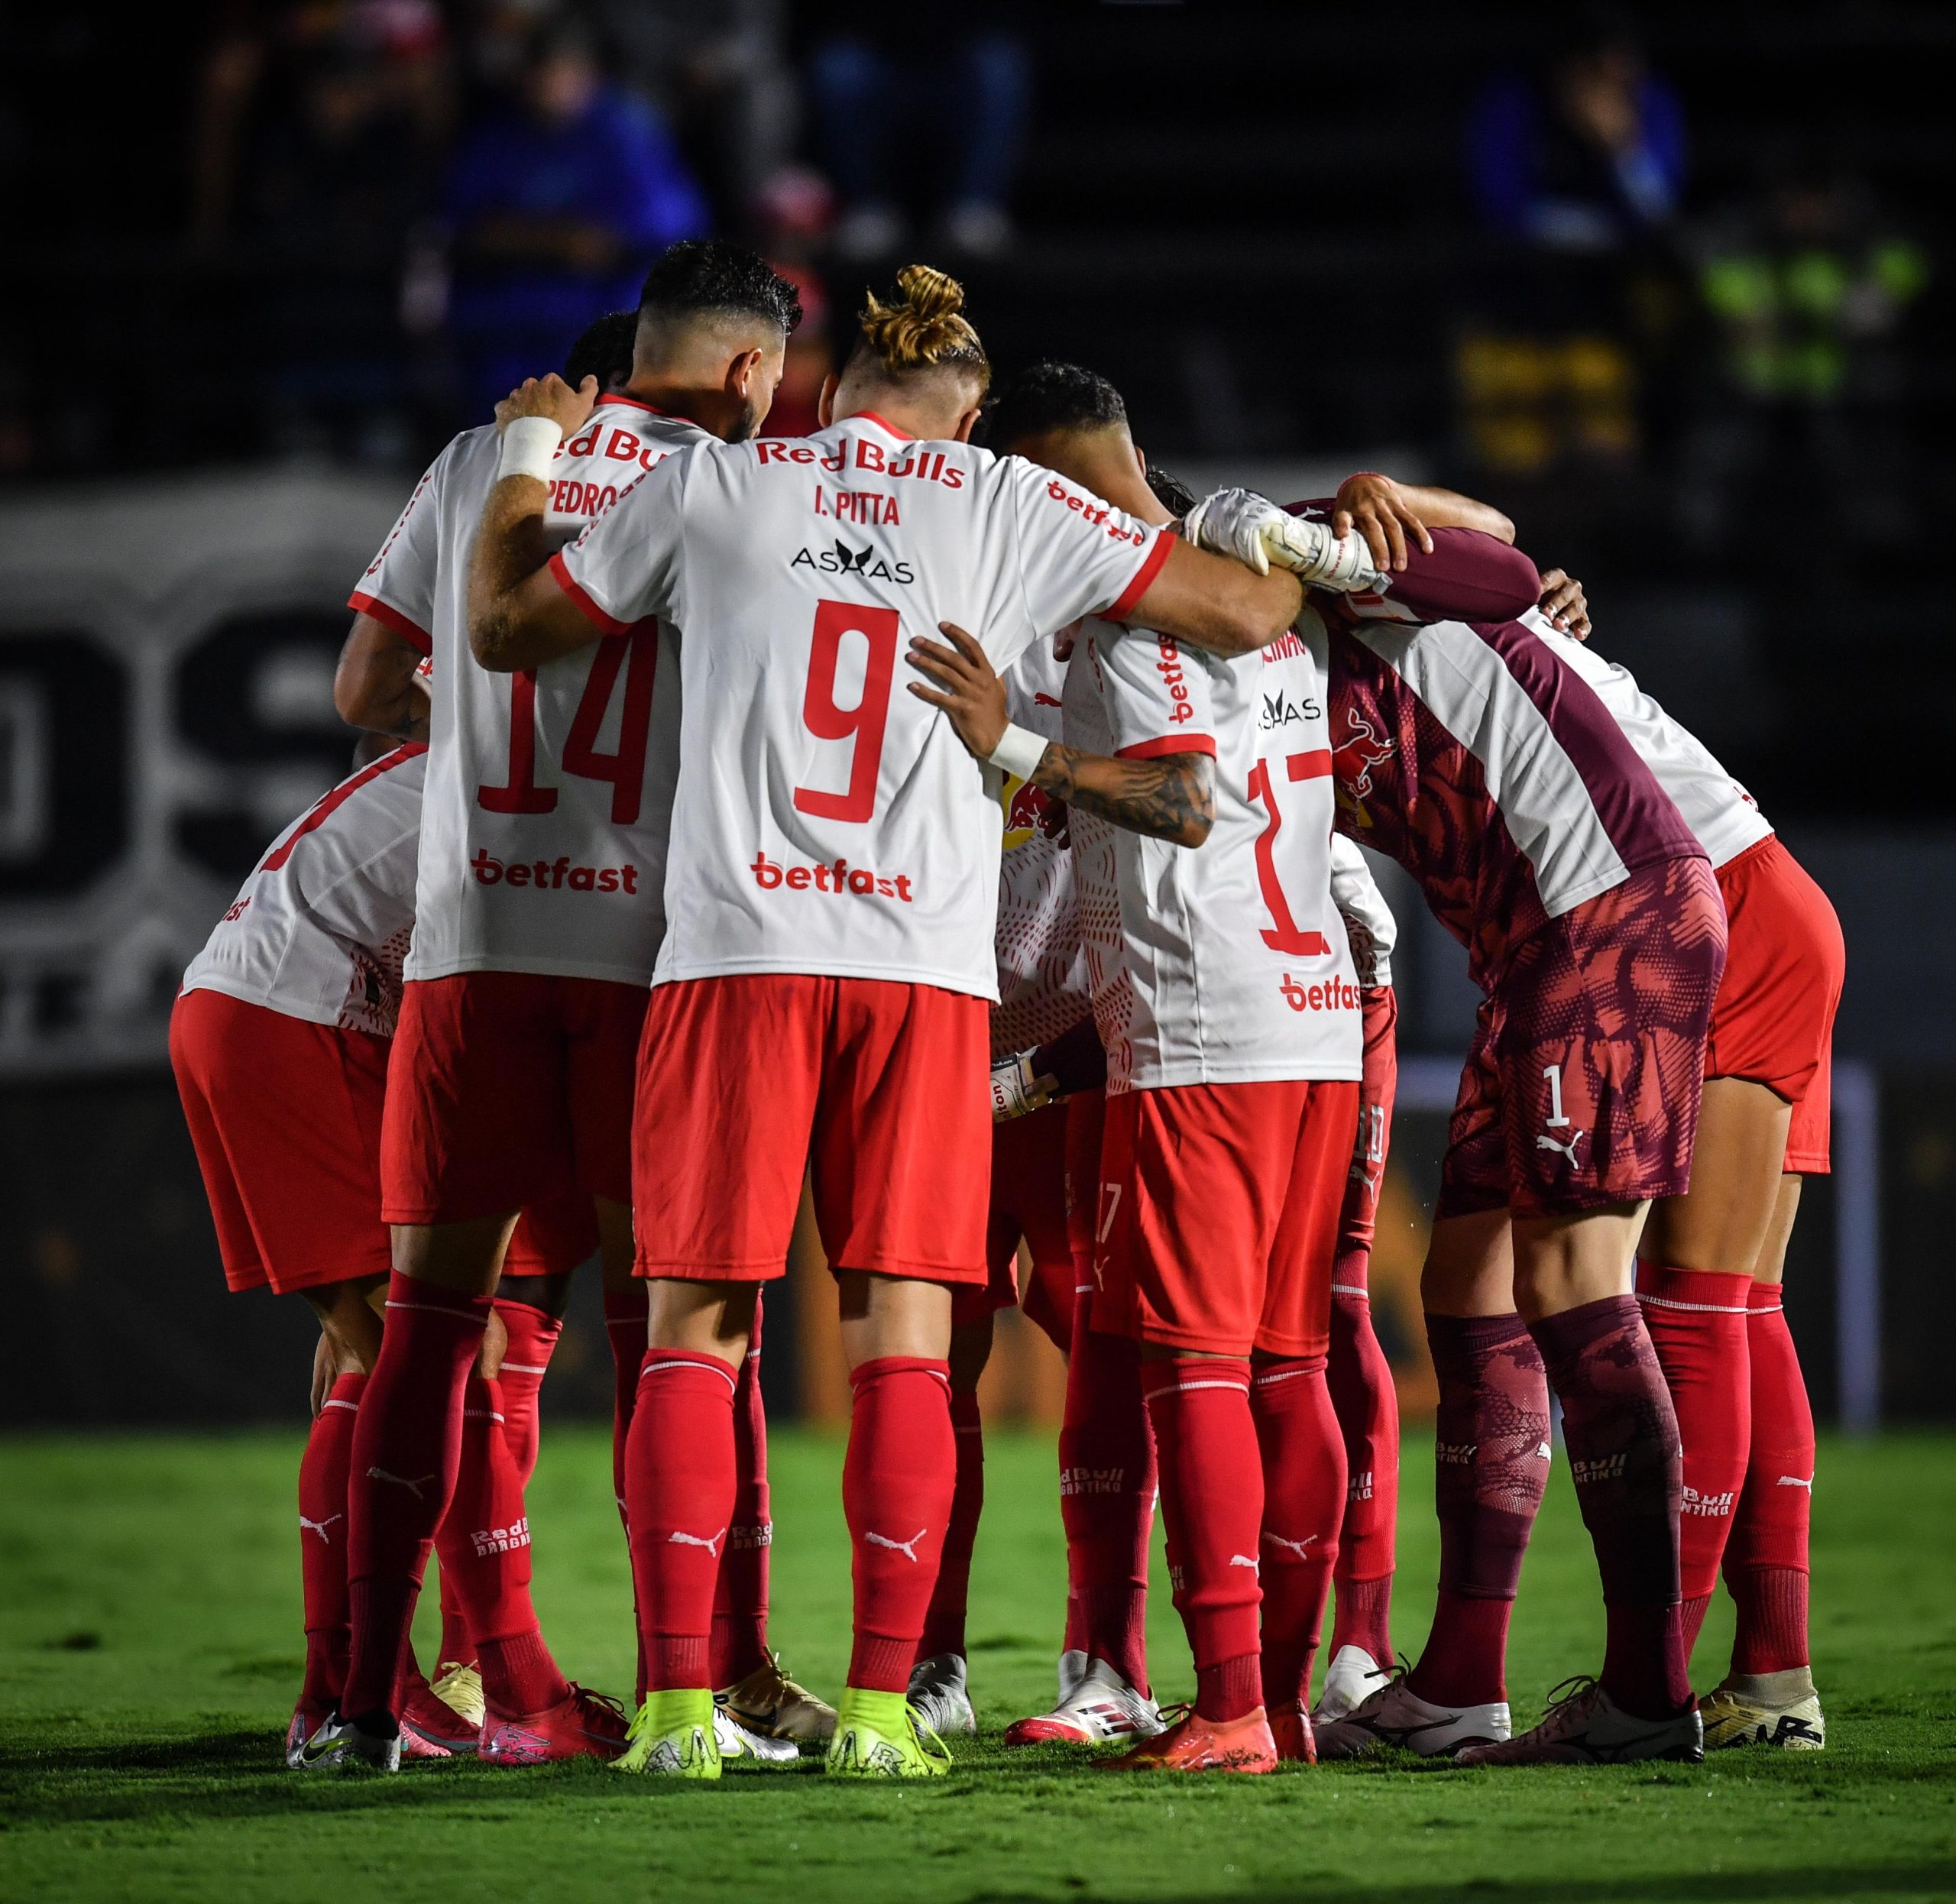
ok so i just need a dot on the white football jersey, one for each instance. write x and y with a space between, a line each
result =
1226 962
320 930
549 792
1725 817
1043 985
827 820
1368 921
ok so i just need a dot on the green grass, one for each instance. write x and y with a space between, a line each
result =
149 1652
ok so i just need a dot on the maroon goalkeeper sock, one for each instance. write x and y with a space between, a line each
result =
1492 1465
1622 1436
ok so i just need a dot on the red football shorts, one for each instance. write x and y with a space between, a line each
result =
1773 1020
285 1116
880 1090
1581 1085
509 1089
553 1239
1087 1118
1357 1220
1028 1201
1219 1214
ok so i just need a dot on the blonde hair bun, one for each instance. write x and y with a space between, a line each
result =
922 327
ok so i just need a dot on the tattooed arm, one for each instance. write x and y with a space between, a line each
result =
1172 796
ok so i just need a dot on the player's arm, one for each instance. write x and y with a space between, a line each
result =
1171 796
1389 513
1214 602
375 686
519 617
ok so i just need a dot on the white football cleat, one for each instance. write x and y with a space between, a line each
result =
736 1742
1396 1717
1101 1706
1072 1669
1352 1677
939 1693
1765 1708
341 1742
1587 1726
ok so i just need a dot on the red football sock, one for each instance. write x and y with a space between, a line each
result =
406 1448
1697 1322
1367 1402
457 1649
1491 1445
740 1597
681 1484
1622 1436
898 1483
1766 1560
322 1472
1212 1499
533 1341
484 1547
625 1330
944 1623
1107 1484
1303 1499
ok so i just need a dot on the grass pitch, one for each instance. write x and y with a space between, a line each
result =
149 1652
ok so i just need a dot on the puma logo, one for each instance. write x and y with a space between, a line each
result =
1794 1480
319 1526
400 1481
1545 1142
1296 1547
1243 1560
679 1538
907 1547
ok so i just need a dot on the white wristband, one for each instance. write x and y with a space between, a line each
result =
529 444
1019 752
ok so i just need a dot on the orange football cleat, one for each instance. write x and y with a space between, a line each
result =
1196 1744
1297 1744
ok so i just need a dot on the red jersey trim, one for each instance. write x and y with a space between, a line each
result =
596 615
630 402
870 416
1168 743
391 618
1150 566
330 802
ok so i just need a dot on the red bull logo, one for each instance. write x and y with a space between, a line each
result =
1025 807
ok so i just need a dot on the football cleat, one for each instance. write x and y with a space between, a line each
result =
306 1721
580 1725
1396 1716
877 1735
1296 1741
1585 1726
769 1703
375 1744
1072 1669
1353 1675
1197 1744
1101 1705
430 1728
675 1735
736 1742
940 1695
1765 1708
459 1688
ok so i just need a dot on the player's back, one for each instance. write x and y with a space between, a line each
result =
1490 770
320 929
549 790
826 821
1724 816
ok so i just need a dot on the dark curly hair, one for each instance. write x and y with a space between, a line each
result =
1051 395
702 277
603 352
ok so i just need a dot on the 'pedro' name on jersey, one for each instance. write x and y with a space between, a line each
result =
826 820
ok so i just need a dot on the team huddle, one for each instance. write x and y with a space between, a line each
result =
968 833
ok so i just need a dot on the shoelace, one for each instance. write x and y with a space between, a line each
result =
927 1741
1578 1686
1174 1713
616 1707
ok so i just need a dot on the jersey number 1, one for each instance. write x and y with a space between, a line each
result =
1283 933
637 656
863 722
